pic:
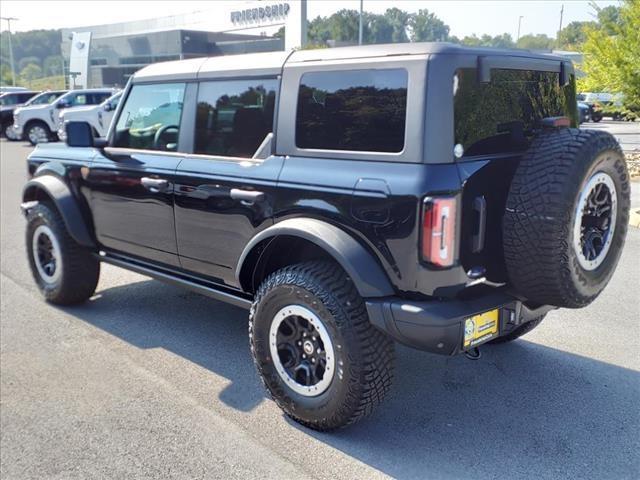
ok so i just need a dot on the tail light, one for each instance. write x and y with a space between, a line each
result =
439 231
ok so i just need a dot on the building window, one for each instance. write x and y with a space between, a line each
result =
150 118
233 117
357 110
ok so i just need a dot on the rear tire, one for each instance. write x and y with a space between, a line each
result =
566 217
66 273
518 331
316 302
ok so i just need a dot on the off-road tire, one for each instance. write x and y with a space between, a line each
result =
518 331
80 269
541 208
364 355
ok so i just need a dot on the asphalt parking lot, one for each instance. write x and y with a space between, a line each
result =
149 381
627 133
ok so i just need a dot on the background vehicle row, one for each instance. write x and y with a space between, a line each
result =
38 122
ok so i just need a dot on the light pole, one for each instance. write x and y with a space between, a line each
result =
13 69
519 23
360 25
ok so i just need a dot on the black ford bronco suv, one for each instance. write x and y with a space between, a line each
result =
429 194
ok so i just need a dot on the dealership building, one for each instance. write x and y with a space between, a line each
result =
107 55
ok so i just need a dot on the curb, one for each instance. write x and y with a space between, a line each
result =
634 217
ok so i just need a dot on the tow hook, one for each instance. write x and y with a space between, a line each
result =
473 353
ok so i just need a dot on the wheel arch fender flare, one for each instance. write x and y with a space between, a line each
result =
66 203
363 268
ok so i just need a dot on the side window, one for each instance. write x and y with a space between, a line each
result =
357 110
79 99
150 118
97 98
233 117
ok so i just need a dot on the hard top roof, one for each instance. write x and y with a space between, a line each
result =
273 62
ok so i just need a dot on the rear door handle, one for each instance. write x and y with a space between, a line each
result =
248 196
155 185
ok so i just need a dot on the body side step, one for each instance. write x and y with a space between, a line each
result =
186 281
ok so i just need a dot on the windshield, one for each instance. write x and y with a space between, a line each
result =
44 98
8 99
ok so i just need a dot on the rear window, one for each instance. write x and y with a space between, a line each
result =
502 115
355 110
233 117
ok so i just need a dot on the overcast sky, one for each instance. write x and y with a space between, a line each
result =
464 17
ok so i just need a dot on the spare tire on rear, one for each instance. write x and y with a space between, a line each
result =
566 217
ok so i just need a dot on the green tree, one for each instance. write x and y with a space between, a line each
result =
23 62
30 73
399 21
612 55
609 17
344 25
52 65
378 29
573 35
535 42
34 43
503 41
5 73
499 41
426 27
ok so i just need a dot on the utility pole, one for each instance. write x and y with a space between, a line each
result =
519 23
13 68
561 13
360 25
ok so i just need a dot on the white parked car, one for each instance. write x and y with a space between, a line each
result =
595 97
98 116
39 123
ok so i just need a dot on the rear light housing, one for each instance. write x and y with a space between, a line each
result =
439 230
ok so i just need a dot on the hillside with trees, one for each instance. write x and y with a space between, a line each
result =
36 54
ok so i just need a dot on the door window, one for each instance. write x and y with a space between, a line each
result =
150 118
356 110
78 99
96 98
233 117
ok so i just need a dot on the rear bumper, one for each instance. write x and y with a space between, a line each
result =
438 326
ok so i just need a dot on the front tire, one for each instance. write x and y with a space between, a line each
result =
66 273
38 132
318 355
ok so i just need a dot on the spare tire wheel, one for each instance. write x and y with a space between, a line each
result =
566 217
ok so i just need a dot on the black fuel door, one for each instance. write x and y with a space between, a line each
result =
370 201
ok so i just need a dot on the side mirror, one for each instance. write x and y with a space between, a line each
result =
62 104
107 107
80 134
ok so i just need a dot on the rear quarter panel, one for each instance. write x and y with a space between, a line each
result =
378 202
